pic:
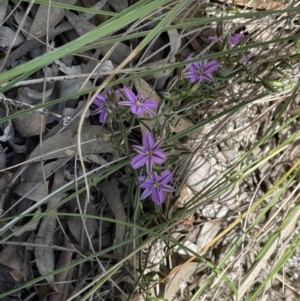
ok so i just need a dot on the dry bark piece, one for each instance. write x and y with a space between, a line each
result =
262 4
39 26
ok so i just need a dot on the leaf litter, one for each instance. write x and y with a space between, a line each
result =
39 155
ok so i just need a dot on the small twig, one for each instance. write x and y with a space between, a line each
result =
22 105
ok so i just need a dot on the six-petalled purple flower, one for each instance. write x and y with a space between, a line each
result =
105 105
149 153
138 105
200 71
155 185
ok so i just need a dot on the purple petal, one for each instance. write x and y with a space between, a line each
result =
208 77
195 78
247 57
213 38
148 183
157 196
212 66
189 74
165 177
189 58
125 103
149 164
130 95
150 103
138 161
158 144
100 99
146 193
103 117
158 157
140 149
167 188
148 140
97 111
148 111
141 179
137 110
194 67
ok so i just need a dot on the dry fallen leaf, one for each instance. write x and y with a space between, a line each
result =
185 273
39 26
95 139
75 223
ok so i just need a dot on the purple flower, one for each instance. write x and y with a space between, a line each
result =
234 39
213 38
156 185
105 105
247 57
202 70
101 101
149 153
138 105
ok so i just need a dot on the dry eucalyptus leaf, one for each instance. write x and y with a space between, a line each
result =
7 36
75 222
162 76
10 256
34 191
68 87
63 279
68 70
19 230
39 26
3 8
120 52
112 195
19 16
118 5
180 124
94 139
45 260
185 273
10 279
30 124
33 177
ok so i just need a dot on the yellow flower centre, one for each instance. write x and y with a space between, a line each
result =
201 71
149 152
156 184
